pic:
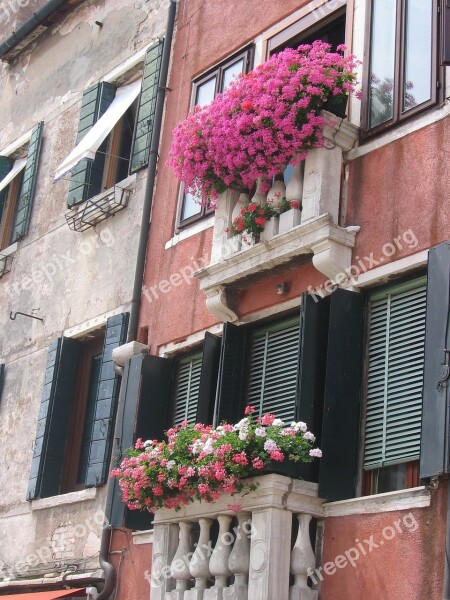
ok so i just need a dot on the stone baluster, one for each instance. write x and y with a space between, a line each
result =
199 565
179 568
322 184
239 560
259 197
222 246
294 188
165 543
218 565
302 559
277 192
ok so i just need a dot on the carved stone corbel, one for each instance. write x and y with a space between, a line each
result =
217 303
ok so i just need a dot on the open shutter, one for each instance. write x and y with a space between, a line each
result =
54 419
86 180
147 105
396 335
434 457
208 379
340 430
25 201
187 388
103 428
2 378
6 164
231 384
146 396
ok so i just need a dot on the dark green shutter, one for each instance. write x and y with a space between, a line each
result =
434 457
105 409
2 378
25 201
6 164
208 378
54 419
187 386
142 139
396 337
232 374
145 401
87 176
340 430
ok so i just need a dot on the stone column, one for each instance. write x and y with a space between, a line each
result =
165 542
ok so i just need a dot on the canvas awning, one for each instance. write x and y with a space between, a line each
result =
92 141
46 595
17 167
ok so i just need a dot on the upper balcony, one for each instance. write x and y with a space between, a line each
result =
314 230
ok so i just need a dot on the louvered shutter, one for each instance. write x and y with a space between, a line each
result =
434 457
208 379
6 164
395 374
273 368
86 180
2 378
232 374
145 400
105 409
341 408
187 386
54 419
147 105
25 201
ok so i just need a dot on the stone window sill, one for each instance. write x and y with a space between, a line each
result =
65 499
142 537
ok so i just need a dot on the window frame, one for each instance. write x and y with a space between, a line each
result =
437 71
247 54
7 217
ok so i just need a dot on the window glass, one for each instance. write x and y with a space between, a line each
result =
231 73
205 92
191 207
382 62
418 53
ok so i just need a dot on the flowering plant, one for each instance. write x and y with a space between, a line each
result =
252 218
284 205
201 462
265 120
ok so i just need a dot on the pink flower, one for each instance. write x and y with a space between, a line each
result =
252 207
249 410
257 463
276 455
267 419
294 204
260 221
139 445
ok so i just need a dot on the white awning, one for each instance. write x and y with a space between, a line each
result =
92 141
18 166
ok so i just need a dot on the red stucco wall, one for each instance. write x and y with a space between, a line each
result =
133 565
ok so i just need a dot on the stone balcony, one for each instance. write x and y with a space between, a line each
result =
315 184
212 552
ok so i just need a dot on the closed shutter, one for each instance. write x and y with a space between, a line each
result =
54 419
145 400
105 409
208 379
272 383
25 201
434 457
6 164
395 374
187 388
147 105
87 176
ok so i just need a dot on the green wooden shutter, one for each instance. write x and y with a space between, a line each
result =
232 374
145 400
6 164
86 180
54 419
187 386
25 201
105 410
142 139
208 379
395 374
340 430
434 454
273 368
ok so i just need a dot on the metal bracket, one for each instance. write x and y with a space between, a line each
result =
444 372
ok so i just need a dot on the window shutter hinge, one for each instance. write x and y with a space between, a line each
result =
444 371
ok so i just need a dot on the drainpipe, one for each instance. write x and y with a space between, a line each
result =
26 28
447 548
108 568
151 175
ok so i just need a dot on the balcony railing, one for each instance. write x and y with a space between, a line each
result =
238 548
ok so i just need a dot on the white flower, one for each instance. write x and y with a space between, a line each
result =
197 447
148 443
242 423
170 464
278 423
315 452
208 447
260 432
300 426
270 445
309 436
243 434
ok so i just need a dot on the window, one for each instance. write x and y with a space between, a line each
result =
205 89
76 418
187 386
17 186
402 77
114 132
396 339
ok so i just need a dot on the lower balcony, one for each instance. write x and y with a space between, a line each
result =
252 547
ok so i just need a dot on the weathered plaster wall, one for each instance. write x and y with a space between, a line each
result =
68 277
